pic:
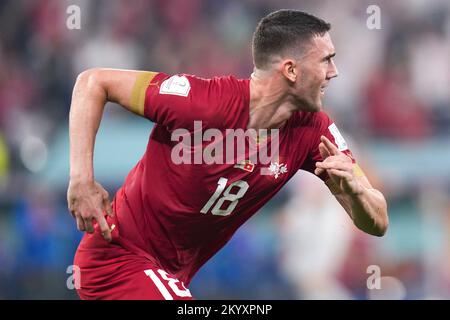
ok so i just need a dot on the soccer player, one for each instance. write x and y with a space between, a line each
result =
169 218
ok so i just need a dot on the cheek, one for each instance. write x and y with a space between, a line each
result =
316 79
309 81
321 75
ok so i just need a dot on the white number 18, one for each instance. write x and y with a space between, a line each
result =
227 196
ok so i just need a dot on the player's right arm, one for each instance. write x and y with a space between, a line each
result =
172 101
87 199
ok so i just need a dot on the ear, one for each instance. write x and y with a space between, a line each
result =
289 69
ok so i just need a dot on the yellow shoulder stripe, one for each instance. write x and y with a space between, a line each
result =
139 90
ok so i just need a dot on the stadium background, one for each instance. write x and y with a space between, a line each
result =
391 101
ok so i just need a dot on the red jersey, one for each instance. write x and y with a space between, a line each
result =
180 215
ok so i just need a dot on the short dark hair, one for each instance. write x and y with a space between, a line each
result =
284 29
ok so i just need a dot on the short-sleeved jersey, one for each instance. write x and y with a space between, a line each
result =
181 214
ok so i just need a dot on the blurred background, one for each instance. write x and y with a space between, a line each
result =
391 101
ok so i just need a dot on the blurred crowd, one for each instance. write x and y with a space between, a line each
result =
391 100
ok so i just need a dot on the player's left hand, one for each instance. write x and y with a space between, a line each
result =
338 166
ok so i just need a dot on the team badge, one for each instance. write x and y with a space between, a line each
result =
276 169
176 85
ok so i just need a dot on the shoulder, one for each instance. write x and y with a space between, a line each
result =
226 99
221 88
219 101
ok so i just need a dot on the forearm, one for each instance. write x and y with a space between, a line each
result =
368 209
88 101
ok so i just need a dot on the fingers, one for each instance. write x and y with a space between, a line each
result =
89 228
340 165
325 154
323 151
340 161
79 219
318 171
341 174
104 228
107 207
331 148
87 203
86 223
80 223
332 167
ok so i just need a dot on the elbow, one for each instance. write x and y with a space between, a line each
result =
374 228
383 223
381 230
378 224
89 83
89 77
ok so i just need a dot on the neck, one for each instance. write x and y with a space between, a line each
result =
270 104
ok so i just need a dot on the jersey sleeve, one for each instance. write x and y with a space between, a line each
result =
177 101
324 125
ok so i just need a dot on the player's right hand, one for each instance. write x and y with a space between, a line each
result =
87 200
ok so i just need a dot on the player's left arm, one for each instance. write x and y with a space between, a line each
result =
365 205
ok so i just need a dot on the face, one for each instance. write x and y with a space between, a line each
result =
313 71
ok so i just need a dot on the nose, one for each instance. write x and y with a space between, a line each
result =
332 71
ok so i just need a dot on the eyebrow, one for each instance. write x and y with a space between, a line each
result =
332 55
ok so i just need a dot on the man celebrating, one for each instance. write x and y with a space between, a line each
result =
169 218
